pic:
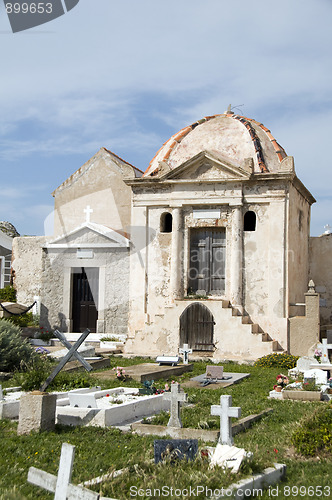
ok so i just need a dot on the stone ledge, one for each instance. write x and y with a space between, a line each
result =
189 433
242 489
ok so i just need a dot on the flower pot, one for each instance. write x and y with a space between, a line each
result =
278 388
302 395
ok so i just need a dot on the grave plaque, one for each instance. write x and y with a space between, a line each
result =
173 450
214 372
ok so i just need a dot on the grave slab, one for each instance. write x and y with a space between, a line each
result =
149 371
230 379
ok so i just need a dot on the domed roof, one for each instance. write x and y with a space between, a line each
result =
228 136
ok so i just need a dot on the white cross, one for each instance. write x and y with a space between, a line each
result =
175 397
61 485
325 351
185 351
88 211
226 412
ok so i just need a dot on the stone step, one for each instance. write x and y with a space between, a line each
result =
246 320
225 304
266 337
276 347
255 328
236 312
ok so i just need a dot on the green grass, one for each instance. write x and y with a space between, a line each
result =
99 451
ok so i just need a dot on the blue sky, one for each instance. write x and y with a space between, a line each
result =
127 75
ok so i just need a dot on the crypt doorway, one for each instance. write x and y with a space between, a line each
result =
197 327
85 285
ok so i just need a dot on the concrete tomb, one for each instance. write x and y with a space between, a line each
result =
226 412
175 397
118 406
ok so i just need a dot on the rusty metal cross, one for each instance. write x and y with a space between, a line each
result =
72 351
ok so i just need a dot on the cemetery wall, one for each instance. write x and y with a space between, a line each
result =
320 271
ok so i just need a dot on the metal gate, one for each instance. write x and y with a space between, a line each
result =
85 299
197 327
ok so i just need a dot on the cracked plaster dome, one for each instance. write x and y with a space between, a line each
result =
227 136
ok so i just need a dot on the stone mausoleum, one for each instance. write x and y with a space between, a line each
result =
210 246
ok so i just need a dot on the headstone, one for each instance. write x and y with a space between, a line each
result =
82 400
214 372
226 412
175 397
320 376
304 363
185 351
37 412
60 485
172 450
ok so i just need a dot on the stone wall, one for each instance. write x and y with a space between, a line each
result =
320 271
304 330
27 265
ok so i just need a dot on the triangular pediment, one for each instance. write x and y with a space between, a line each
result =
207 166
90 235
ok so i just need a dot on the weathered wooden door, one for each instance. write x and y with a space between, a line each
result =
207 261
197 327
85 299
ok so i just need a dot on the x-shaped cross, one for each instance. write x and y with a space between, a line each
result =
71 352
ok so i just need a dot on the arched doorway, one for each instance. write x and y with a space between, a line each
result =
197 327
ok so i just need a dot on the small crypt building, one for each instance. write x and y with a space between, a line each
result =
209 247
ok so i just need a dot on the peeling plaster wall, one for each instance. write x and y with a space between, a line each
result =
113 289
99 184
27 263
262 258
298 246
320 271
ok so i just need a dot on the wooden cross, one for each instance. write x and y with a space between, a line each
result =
88 211
60 485
175 397
226 412
71 352
185 351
